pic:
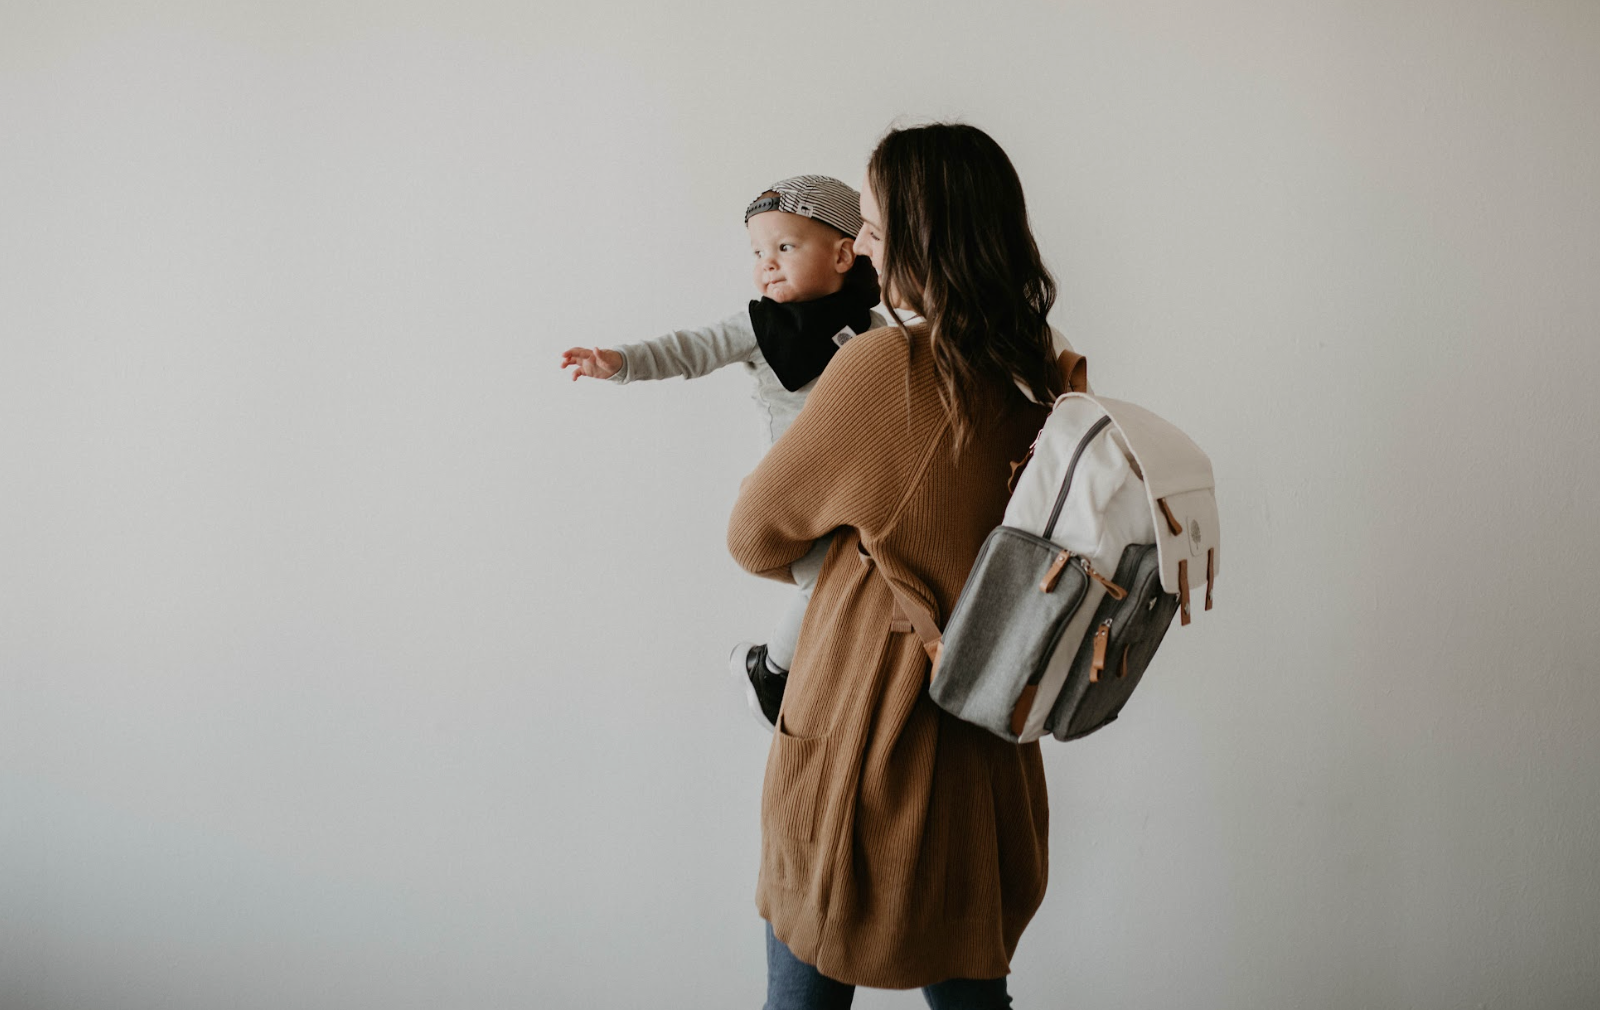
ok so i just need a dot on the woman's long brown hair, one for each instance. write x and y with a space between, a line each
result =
958 250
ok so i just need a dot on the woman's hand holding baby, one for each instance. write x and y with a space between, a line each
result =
595 362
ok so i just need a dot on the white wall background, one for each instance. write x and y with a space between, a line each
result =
350 657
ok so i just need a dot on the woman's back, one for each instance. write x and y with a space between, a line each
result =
900 845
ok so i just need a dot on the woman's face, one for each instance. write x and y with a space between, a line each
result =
869 240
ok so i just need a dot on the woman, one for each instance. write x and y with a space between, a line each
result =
902 847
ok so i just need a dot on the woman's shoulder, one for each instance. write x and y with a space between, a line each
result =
883 350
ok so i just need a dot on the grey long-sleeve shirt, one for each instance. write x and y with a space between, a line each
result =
697 352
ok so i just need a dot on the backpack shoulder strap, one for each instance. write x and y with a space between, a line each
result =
910 613
1074 372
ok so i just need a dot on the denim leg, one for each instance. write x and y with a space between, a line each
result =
968 994
794 985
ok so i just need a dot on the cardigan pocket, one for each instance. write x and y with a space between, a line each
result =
789 796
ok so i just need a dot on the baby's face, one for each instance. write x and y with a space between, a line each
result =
797 259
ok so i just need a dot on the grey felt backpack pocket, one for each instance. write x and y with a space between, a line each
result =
1111 660
995 654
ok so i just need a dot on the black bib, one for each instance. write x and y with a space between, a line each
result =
797 338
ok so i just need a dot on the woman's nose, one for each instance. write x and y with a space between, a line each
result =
860 247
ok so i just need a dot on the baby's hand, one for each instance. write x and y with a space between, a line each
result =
595 362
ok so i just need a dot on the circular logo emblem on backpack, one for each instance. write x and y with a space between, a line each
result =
1194 536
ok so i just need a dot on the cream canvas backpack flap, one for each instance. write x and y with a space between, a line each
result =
1111 527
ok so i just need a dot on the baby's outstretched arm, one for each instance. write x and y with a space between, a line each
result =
686 354
595 362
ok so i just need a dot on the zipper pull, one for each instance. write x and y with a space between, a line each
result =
1102 637
1054 574
1113 590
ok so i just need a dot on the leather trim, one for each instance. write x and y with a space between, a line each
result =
1173 526
1074 369
1183 591
1102 637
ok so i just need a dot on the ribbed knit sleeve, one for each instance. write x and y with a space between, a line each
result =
840 464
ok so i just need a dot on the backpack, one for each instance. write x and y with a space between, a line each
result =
1112 522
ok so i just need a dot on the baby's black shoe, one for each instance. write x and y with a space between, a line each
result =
763 684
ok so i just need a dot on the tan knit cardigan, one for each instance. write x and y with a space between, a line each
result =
900 845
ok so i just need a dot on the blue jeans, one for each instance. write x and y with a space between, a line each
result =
794 985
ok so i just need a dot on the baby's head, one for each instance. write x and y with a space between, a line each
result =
802 234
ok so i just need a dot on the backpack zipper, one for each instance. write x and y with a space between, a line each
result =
1102 636
1053 575
1066 482
1113 590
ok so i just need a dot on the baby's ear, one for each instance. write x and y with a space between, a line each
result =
844 255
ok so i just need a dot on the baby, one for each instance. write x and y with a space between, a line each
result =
815 295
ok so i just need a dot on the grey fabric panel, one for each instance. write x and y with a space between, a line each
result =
1004 629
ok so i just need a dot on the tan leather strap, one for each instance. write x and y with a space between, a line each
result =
1051 577
1102 638
1183 590
910 615
1074 372
1211 573
1172 520
1074 369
